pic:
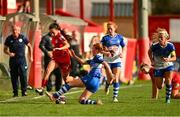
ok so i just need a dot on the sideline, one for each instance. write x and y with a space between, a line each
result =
69 93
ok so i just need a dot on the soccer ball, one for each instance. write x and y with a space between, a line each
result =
61 100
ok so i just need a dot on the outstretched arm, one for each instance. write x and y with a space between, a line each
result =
108 71
81 61
106 52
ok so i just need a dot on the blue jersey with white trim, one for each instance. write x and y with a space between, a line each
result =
96 66
160 52
114 44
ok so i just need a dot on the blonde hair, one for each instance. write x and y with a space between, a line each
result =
163 31
112 23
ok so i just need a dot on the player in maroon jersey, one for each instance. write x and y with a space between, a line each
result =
176 85
60 57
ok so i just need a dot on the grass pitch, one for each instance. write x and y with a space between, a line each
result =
134 100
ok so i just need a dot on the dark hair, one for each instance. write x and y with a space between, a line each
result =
98 46
54 26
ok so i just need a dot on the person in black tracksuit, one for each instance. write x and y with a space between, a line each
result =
14 46
46 47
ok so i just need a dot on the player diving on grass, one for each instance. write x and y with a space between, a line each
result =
91 81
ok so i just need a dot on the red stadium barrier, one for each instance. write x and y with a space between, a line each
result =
143 47
165 22
130 57
35 77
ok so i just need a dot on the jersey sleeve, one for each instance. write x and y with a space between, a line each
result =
98 59
25 39
152 47
7 41
103 41
172 47
88 61
42 44
122 42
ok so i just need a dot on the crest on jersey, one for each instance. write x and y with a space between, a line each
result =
11 41
20 40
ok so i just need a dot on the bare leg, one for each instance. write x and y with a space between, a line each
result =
51 66
116 85
158 82
155 90
175 94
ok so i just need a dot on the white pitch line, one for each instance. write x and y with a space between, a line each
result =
9 100
73 92
38 97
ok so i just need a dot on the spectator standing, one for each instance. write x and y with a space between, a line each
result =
14 46
74 45
25 7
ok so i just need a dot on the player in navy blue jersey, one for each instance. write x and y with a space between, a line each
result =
162 54
114 47
91 81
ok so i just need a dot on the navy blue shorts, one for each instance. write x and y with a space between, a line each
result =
161 72
115 65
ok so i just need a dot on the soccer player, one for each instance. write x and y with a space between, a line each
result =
145 68
114 47
60 56
46 47
91 81
162 54
176 85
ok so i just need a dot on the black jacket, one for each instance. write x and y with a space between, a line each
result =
45 45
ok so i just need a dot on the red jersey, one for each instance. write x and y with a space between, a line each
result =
62 57
176 81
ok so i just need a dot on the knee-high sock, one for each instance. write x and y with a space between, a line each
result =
88 101
116 86
107 85
168 91
44 82
62 90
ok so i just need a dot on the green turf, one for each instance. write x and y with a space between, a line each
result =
133 100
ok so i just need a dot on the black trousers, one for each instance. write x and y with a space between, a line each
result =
18 69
